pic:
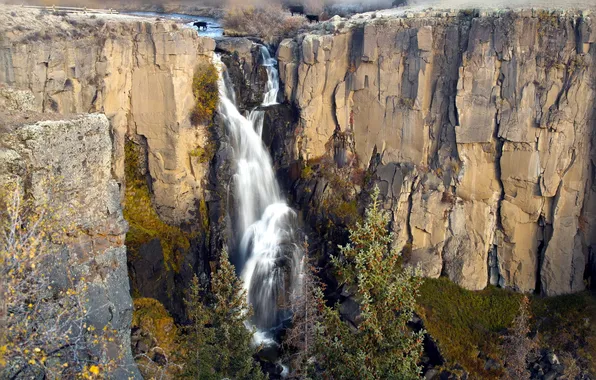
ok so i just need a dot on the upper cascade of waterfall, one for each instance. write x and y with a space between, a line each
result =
267 254
272 89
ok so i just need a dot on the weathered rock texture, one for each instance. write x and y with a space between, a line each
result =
479 130
139 74
69 162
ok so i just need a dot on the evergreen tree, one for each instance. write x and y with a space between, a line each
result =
381 346
218 344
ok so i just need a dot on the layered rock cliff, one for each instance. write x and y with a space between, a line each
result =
477 127
138 73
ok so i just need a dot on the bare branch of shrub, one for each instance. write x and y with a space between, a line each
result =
45 325
270 23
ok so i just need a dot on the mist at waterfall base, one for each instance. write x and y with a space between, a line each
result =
267 255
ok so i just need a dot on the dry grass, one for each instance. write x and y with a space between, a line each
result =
270 23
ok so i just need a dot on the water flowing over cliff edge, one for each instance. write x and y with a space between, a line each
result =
267 254
477 126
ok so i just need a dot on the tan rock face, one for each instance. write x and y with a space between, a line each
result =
499 108
139 75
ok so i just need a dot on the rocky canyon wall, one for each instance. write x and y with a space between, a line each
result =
65 165
477 127
139 74
74 91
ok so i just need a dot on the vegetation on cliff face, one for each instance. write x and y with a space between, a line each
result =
467 323
567 324
340 203
157 339
217 343
47 328
145 224
471 327
204 154
382 345
206 92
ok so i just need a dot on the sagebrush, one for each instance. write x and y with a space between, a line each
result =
270 23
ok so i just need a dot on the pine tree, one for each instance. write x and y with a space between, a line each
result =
218 344
381 346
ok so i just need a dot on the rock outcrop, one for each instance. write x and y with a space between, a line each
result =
478 128
70 161
139 74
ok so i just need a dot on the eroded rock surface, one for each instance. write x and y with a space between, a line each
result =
139 74
69 163
494 112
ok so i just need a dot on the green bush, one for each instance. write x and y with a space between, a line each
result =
206 92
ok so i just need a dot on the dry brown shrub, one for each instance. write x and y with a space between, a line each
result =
270 23
518 346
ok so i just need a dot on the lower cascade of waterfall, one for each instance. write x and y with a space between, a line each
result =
268 256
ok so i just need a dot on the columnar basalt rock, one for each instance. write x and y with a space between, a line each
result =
139 74
499 107
69 162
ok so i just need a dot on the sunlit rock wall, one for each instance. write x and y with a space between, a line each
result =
65 165
482 125
139 74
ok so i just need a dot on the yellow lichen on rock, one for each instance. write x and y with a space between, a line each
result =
145 223
160 337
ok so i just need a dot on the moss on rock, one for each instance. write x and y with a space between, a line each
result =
467 323
156 338
567 324
145 223
204 154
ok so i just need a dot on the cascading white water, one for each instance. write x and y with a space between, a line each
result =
272 78
267 248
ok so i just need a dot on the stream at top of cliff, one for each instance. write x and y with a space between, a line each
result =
214 28
267 256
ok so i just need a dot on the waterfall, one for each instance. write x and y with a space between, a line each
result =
267 252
